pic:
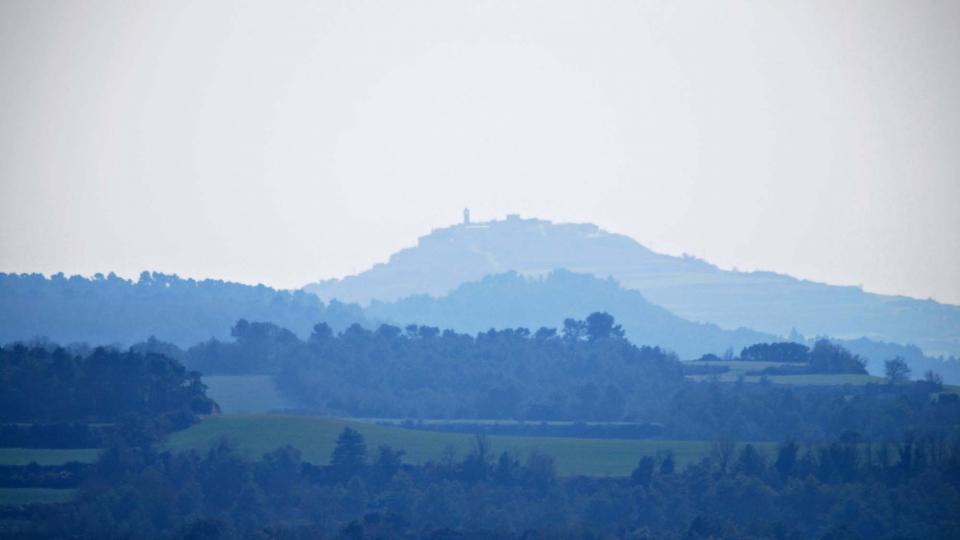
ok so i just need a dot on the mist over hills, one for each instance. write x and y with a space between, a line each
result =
510 300
108 309
688 287
500 274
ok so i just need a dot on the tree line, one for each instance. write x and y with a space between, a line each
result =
50 385
586 371
842 489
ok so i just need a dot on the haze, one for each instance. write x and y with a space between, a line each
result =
285 143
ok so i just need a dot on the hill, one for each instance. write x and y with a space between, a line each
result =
109 309
510 300
689 287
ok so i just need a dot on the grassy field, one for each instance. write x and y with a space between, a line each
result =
245 393
740 366
10 496
315 438
740 369
814 379
46 456
825 379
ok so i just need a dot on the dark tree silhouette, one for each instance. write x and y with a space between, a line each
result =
350 454
896 370
600 326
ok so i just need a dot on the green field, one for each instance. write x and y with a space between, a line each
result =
245 393
740 369
315 438
824 379
46 456
10 496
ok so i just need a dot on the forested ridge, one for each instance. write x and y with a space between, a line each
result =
109 309
586 371
103 310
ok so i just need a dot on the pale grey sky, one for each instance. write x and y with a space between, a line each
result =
284 142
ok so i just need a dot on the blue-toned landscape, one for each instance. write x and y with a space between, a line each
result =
473 270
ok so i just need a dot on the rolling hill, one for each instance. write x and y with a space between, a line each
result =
510 300
105 310
689 287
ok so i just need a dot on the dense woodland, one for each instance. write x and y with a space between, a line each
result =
586 371
44 385
906 489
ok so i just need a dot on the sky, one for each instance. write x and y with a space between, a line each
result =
286 142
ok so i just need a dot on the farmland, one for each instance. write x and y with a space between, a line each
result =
738 369
46 456
315 438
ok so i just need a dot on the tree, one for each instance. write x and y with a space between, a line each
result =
574 330
668 464
933 378
350 454
643 473
545 333
387 464
776 352
506 470
897 370
751 462
829 358
722 451
321 333
600 326
541 470
787 459
388 331
475 466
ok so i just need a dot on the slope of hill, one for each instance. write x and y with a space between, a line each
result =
510 300
106 310
688 287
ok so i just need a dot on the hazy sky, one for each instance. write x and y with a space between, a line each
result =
283 142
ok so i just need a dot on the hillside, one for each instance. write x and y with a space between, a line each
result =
510 300
105 310
690 288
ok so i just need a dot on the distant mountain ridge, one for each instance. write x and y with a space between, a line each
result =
510 300
111 310
689 287
106 310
